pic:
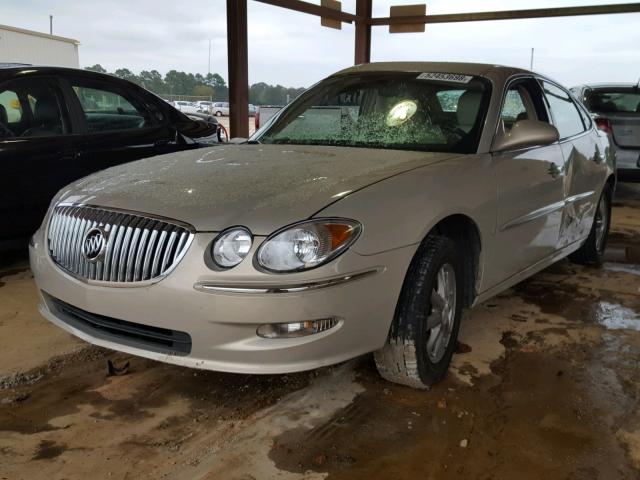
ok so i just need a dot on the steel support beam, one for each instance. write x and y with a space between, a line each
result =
312 9
511 14
363 32
238 60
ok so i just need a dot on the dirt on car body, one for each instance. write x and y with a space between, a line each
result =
544 384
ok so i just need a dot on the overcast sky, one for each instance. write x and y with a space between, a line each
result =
292 49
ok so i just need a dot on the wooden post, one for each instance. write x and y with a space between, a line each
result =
238 61
363 32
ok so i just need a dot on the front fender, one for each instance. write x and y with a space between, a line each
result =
402 209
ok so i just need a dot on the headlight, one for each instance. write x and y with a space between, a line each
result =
307 245
231 247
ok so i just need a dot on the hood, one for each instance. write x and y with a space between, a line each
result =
262 187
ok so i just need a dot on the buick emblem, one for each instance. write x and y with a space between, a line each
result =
94 244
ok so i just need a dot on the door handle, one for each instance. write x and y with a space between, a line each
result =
554 170
69 154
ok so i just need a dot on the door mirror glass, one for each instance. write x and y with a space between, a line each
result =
526 133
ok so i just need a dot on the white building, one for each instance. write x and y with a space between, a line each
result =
25 46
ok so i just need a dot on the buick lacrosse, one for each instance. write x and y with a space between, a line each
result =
364 217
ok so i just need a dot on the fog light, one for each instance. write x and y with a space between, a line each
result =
296 329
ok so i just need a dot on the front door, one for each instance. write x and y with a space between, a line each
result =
38 152
530 195
118 126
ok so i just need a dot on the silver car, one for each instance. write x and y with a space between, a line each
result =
220 109
366 216
616 108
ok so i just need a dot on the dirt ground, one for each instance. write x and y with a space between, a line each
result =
545 384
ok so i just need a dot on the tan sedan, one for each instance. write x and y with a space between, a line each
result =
364 217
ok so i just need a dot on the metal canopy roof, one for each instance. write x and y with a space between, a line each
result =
363 20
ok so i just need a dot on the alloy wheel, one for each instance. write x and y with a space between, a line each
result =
442 314
601 222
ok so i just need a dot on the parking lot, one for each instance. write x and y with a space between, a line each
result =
224 121
545 383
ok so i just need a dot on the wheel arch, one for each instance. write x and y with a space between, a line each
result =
463 230
611 182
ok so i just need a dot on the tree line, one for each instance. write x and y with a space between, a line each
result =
211 85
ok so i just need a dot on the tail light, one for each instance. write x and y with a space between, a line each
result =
604 124
256 118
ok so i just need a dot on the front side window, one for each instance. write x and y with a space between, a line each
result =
619 100
30 108
566 116
11 108
409 111
106 110
514 108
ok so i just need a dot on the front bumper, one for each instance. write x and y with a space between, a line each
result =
222 323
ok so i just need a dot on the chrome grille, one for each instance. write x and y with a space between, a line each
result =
138 248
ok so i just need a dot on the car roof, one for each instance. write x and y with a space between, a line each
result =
13 65
11 69
498 72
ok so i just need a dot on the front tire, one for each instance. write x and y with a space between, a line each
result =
218 114
591 252
425 329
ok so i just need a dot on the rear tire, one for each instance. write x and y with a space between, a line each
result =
218 114
424 332
591 252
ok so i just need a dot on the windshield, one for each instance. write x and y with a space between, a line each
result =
614 101
410 111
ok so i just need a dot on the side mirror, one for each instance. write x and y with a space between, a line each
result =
526 133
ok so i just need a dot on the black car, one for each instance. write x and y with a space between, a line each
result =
60 124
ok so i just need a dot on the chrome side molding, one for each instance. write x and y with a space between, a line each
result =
257 289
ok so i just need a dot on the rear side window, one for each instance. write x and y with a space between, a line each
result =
564 111
616 101
31 107
108 110
585 116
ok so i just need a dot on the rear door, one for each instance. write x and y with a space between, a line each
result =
530 189
584 161
118 126
38 152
